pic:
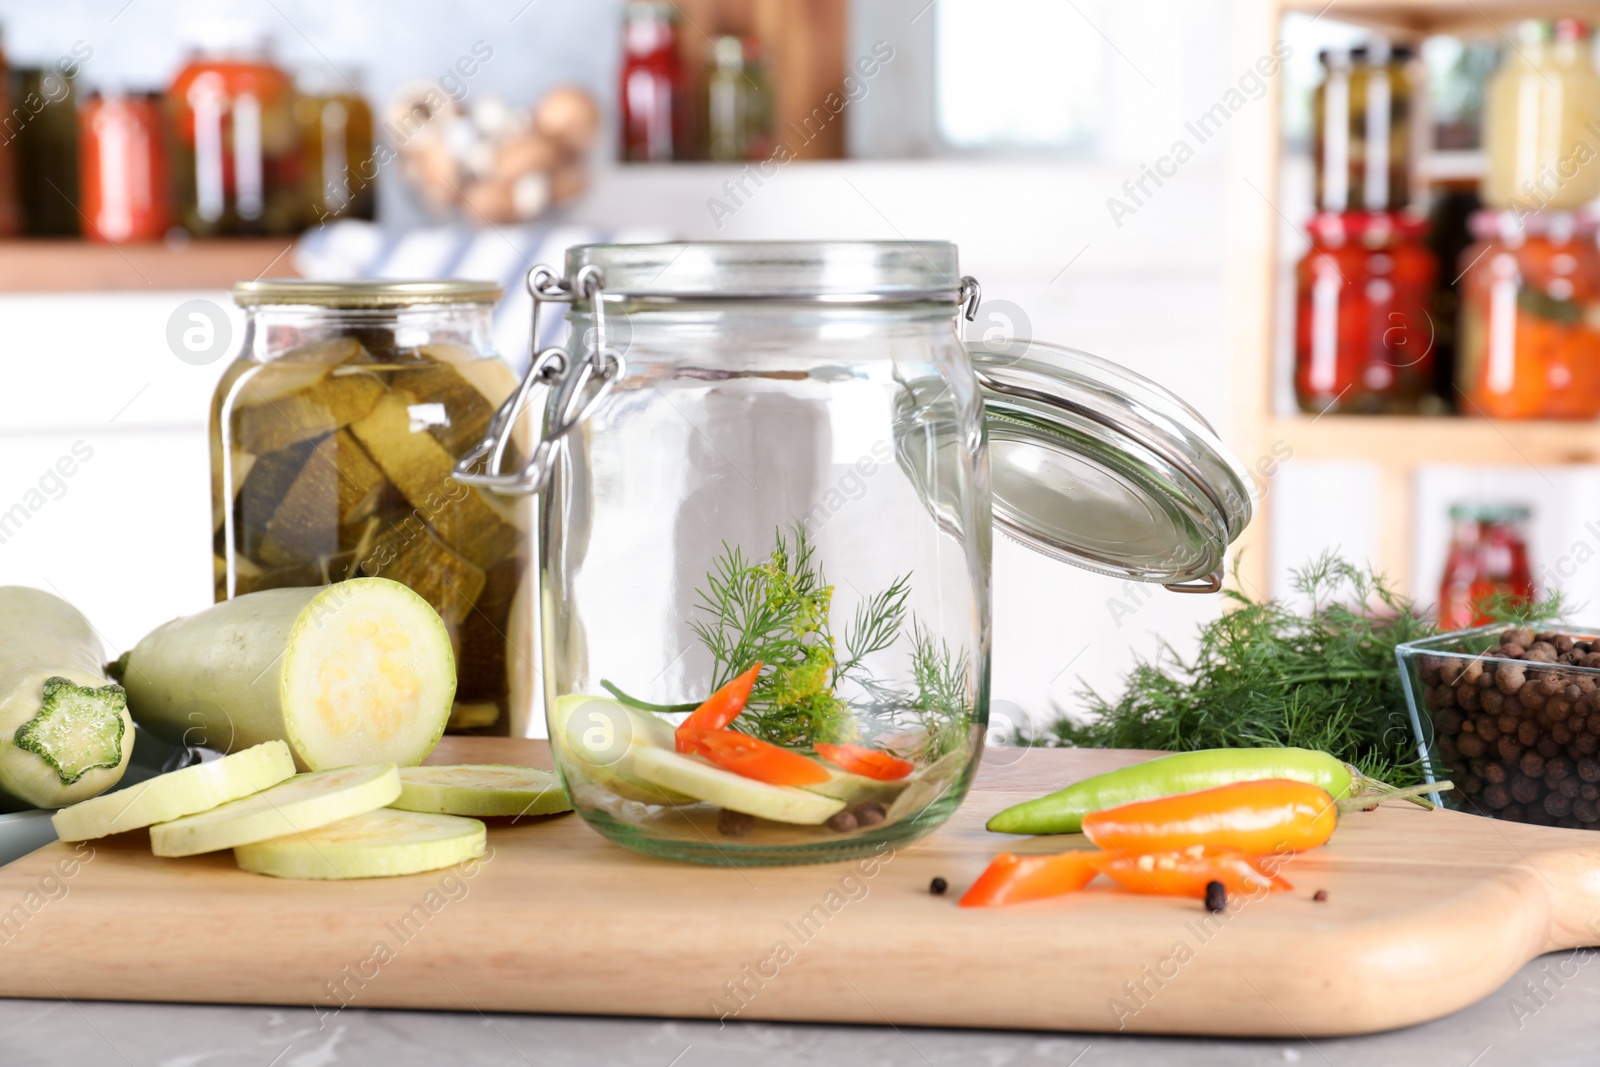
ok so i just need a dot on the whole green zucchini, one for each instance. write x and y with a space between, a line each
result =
65 734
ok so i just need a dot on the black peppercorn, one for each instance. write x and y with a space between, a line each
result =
938 886
1216 896
1320 896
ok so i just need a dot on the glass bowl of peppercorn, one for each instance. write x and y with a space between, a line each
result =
1511 715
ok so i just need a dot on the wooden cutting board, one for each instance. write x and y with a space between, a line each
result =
1426 913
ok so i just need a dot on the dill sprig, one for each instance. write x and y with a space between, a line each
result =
941 704
777 611
1266 674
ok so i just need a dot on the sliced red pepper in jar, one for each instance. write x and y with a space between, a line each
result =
1263 817
721 707
867 762
1013 879
751 757
1185 872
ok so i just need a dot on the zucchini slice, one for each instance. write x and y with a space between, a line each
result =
182 792
699 779
481 789
303 803
375 844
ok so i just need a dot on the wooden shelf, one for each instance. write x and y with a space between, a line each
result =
1395 446
1420 18
46 266
1417 441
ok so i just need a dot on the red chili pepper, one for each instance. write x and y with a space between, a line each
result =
751 757
721 707
1185 872
1012 879
1268 816
867 762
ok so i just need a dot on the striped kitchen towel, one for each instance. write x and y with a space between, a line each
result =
352 249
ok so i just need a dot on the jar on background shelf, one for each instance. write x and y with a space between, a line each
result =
739 104
1540 120
1488 560
653 103
236 153
704 430
334 123
333 436
1455 201
47 151
10 205
1361 142
1363 334
1528 345
122 166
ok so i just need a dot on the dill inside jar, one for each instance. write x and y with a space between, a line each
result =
333 437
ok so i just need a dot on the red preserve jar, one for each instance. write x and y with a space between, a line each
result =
122 167
652 85
1488 558
236 146
1363 335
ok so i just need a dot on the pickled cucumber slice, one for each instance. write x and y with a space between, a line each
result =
466 412
411 555
253 578
481 789
302 803
356 542
337 485
331 404
269 481
176 794
481 664
728 790
421 469
223 497
472 716
376 844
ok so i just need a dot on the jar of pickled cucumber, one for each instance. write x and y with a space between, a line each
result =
333 438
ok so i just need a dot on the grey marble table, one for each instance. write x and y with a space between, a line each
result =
1549 1014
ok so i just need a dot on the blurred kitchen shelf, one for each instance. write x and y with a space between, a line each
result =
1420 18
1396 447
66 266
1390 440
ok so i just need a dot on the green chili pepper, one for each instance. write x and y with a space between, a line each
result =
1062 812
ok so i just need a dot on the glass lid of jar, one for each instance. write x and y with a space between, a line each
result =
1100 467
1091 463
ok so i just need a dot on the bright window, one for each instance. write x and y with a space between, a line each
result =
1018 73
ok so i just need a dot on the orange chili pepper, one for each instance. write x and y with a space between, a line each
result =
1185 872
1270 815
751 757
721 707
868 762
1012 879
